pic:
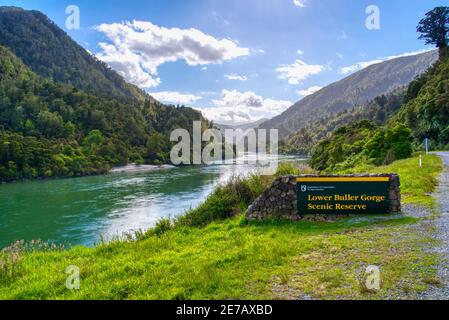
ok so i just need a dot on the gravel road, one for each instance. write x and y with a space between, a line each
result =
442 234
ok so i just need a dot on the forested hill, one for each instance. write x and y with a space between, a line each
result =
378 111
64 113
357 89
424 113
51 53
426 107
50 129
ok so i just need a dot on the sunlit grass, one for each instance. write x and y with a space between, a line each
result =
416 182
236 259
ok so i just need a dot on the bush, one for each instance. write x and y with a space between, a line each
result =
162 226
11 257
362 143
9 266
226 201
257 184
293 168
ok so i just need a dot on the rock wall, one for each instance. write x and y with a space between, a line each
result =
279 200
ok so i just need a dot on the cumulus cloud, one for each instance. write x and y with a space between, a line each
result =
136 49
299 3
298 71
174 97
309 91
236 107
364 64
236 77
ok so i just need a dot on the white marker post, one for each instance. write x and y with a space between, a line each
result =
420 160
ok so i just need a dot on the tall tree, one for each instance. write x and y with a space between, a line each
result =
434 28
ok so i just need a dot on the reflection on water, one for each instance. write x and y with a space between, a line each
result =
81 210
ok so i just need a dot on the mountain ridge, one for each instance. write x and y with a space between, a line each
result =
354 90
50 127
51 53
423 113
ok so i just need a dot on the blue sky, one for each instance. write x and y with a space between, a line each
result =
239 60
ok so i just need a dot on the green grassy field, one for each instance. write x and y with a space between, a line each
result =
230 258
416 182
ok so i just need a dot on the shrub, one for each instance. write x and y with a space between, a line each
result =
362 143
9 264
257 184
11 256
224 202
162 226
293 168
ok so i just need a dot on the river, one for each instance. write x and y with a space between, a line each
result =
81 211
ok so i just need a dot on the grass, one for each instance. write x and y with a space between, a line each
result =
416 182
293 168
226 201
230 258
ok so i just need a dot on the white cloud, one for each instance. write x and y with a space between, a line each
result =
364 64
136 49
236 107
236 77
208 93
299 3
299 52
174 97
298 71
309 91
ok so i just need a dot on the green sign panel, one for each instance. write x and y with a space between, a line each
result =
343 195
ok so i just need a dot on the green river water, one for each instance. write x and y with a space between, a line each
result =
80 211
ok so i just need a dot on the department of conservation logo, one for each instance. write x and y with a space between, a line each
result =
303 188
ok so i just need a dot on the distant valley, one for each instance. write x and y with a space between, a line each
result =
355 90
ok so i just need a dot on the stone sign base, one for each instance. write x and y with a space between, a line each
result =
280 201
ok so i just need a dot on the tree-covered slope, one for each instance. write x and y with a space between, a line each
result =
426 109
51 129
362 142
357 89
64 113
377 110
424 113
51 53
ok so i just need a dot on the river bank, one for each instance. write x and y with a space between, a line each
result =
230 258
87 210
